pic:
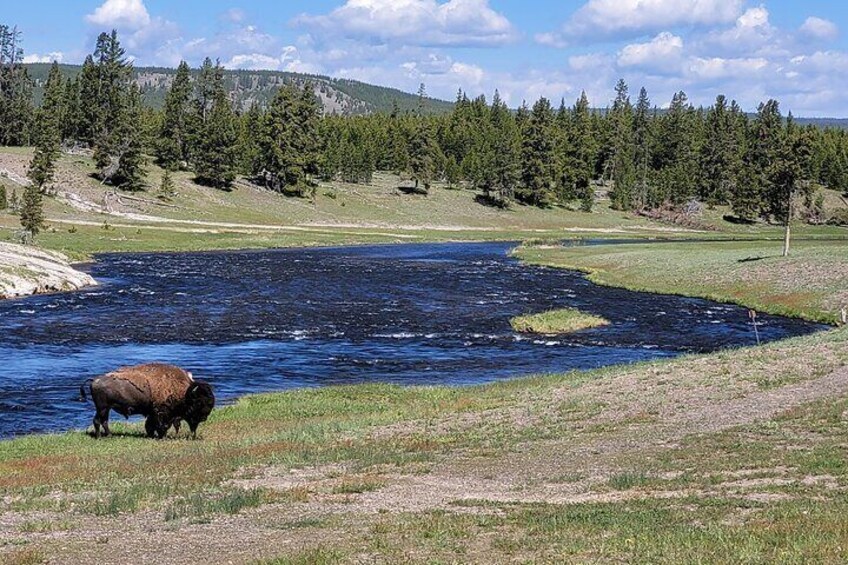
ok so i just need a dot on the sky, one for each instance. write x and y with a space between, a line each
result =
793 51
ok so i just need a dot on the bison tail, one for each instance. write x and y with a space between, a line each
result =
82 397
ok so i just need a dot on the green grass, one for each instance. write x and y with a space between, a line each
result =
810 283
564 320
677 502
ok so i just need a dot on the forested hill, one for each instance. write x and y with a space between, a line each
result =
340 96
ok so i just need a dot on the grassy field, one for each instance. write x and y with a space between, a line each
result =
87 218
564 320
737 456
811 283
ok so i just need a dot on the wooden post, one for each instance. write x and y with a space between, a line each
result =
788 222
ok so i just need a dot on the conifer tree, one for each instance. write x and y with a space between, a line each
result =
580 155
32 210
215 160
167 189
642 141
422 147
288 144
537 156
505 154
15 90
172 150
116 125
91 112
47 132
72 123
621 169
718 159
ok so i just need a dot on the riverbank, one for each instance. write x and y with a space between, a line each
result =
702 458
812 283
26 270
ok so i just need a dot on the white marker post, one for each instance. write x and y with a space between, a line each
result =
753 315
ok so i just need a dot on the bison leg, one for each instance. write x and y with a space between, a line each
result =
101 418
177 426
150 426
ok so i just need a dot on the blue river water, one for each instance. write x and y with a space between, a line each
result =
253 321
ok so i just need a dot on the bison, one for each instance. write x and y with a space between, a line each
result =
165 394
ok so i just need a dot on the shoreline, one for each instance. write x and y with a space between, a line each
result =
30 271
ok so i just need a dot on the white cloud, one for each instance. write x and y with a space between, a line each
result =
819 28
751 31
234 15
718 68
288 60
130 14
601 19
48 58
662 54
414 22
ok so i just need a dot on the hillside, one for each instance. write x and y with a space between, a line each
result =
341 96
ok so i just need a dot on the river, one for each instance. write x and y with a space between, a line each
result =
251 321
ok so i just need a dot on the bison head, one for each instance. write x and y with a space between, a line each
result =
199 401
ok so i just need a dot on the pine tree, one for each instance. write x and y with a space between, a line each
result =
422 147
785 174
167 189
32 210
14 203
72 124
91 113
288 145
216 159
504 166
537 156
15 90
580 155
172 150
718 159
642 140
621 166
48 131
117 121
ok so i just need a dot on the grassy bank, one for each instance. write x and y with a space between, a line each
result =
564 320
811 283
735 456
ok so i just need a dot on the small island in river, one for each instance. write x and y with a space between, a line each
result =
560 321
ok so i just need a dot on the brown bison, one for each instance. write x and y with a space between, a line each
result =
164 393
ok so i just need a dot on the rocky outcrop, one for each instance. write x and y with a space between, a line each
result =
28 270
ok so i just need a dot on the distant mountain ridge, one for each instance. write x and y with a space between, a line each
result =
339 96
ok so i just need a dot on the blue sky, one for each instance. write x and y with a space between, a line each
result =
796 52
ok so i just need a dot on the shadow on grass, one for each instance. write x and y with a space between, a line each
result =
491 201
412 190
751 259
730 218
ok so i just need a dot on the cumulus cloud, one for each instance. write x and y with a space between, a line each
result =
601 19
57 56
718 68
662 54
120 14
414 22
819 28
751 32
288 60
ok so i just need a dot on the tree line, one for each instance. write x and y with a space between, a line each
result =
763 166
